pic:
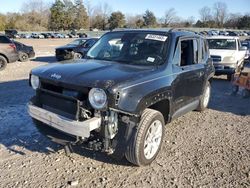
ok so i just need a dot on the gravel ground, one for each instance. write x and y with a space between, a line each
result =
208 149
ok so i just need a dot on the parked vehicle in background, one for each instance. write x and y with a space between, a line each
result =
246 43
46 35
72 35
11 33
120 97
8 53
25 36
24 52
59 35
224 33
37 36
75 49
227 54
82 35
232 33
213 32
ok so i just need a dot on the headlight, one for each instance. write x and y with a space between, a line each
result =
229 59
97 98
34 81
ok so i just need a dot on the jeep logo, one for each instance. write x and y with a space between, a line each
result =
56 76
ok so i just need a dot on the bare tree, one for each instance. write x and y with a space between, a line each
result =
220 13
90 10
132 21
101 14
189 21
205 14
169 16
34 6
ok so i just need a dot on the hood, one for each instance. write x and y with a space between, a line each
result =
92 73
222 53
69 46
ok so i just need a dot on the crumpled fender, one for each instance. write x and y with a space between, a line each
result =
135 98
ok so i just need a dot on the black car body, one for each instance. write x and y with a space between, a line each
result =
24 51
76 49
11 33
131 83
8 52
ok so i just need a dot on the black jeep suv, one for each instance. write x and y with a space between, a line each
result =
119 98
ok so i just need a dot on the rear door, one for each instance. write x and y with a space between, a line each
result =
189 71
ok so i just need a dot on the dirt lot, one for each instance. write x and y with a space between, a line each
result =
209 149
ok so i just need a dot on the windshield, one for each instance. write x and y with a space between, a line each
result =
77 42
226 44
130 48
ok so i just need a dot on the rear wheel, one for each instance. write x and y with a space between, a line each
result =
3 62
23 57
146 139
204 100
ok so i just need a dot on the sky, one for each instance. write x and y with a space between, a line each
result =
184 8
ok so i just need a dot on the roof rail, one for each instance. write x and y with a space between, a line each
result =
181 29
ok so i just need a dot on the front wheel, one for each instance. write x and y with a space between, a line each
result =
23 57
77 56
204 100
146 139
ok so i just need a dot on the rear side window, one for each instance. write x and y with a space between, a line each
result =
187 52
4 39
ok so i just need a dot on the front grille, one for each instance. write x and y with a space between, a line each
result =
66 102
216 58
59 104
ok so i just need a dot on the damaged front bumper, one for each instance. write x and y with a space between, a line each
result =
63 124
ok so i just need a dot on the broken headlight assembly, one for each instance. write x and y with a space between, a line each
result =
34 81
97 98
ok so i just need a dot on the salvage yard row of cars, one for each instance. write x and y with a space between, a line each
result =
12 33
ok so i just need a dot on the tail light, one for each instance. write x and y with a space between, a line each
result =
13 46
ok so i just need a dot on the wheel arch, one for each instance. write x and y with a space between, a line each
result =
163 107
4 57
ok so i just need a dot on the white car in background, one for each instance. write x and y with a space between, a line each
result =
227 54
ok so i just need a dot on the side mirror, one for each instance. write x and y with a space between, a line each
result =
243 48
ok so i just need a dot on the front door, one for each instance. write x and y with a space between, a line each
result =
189 73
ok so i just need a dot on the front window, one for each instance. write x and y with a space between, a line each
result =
224 44
142 48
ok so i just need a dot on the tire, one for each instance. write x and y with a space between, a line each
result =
137 149
204 100
23 57
77 56
3 63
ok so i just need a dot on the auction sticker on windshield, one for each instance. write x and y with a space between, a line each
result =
156 37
